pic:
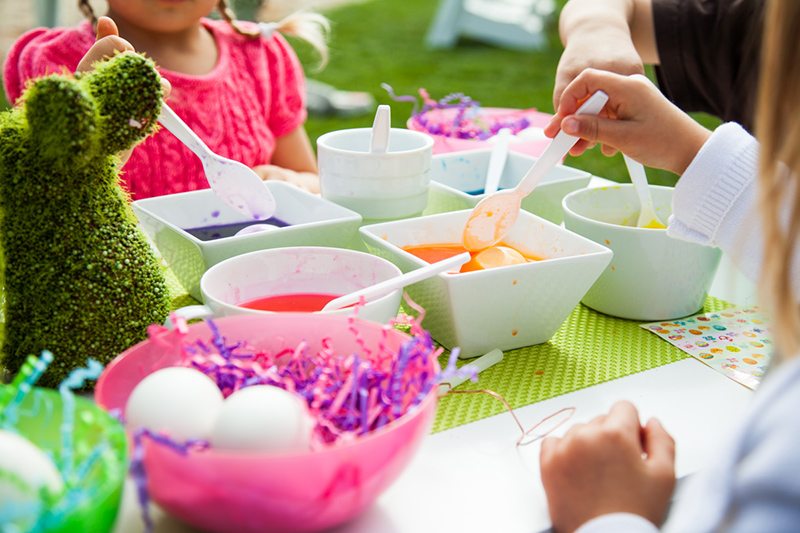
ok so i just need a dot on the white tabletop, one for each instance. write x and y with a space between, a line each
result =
474 479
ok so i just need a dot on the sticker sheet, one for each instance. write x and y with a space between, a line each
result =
735 342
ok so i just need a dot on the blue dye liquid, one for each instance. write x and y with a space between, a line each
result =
477 192
220 231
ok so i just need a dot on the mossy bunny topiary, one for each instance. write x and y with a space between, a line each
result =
79 277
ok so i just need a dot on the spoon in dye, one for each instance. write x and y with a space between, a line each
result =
647 213
497 160
233 183
398 282
493 217
255 228
381 126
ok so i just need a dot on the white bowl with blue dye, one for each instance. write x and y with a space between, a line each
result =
457 181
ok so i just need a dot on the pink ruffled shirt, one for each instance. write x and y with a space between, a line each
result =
254 94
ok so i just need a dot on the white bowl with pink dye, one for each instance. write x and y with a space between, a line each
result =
295 270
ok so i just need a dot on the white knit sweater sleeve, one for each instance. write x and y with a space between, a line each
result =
715 200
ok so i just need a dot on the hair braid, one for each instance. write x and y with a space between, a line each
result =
88 12
229 16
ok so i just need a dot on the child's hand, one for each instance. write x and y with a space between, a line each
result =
638 121
107 43
612 464
307 181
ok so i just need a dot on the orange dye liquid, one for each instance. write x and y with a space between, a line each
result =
432 253
302 303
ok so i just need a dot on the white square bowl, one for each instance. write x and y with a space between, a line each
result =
506 307
313 221
457 176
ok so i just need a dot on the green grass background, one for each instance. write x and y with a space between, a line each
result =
377 41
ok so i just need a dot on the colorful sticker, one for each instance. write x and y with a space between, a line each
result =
735 342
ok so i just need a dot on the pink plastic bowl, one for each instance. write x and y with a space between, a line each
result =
489 116
242 492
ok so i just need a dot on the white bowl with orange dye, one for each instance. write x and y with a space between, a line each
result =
506 307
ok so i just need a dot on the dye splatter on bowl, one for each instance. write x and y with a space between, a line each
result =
506 307
304 220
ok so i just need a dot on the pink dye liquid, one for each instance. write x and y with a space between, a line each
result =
302 303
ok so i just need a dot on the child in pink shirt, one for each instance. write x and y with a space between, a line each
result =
240 92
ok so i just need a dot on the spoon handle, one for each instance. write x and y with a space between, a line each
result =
379 140
639 179
398 282
176 126
557 149
497 160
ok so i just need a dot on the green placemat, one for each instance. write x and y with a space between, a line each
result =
588 349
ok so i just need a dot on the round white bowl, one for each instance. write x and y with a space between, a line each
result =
295 270
652 276
379 186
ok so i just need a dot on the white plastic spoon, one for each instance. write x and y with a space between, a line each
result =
497 160
233 183
494 215
480 364
398 282
381 126
647 213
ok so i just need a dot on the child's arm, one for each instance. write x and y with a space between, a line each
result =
611 465
639 121
613 35
293 161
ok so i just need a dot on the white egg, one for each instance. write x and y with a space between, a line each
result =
24 471
179 401
263 417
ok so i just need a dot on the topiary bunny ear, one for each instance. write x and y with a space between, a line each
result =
62 120
127 92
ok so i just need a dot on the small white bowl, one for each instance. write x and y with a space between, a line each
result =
295 270
379 186
506 307
165 219
457 181
652 276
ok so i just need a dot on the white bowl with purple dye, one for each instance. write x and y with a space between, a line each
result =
458 178
171 221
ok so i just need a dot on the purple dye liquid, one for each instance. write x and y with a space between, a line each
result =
220 231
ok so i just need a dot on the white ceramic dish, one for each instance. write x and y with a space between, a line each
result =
457 176
506 307
295 270
313 222
378 185
652 276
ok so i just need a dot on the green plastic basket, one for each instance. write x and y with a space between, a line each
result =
39 421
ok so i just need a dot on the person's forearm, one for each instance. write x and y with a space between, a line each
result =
628 19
